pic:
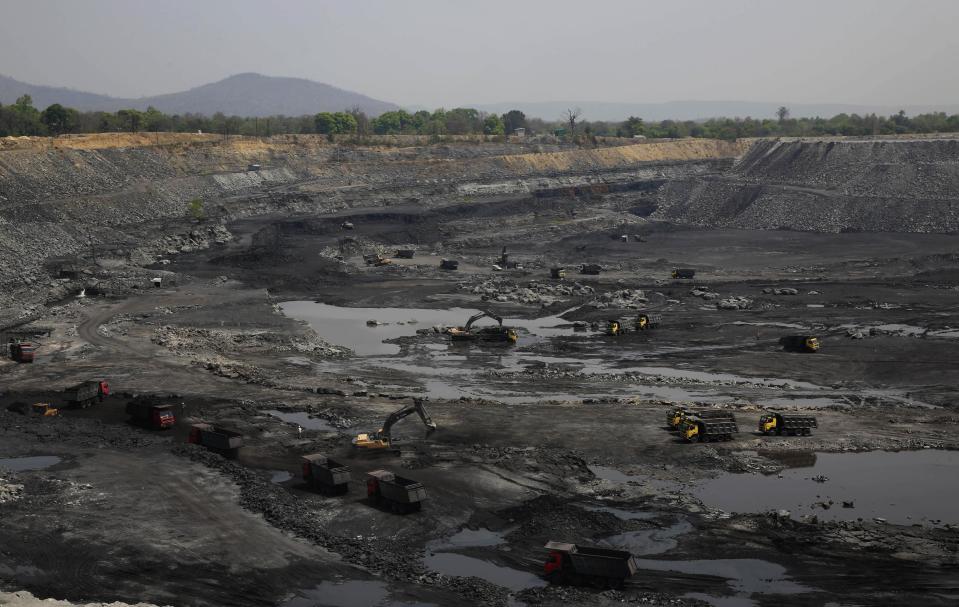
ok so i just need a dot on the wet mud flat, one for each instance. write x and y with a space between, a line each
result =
558 437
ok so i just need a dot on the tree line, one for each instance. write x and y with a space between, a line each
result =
22 118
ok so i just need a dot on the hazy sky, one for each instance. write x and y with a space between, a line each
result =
447 53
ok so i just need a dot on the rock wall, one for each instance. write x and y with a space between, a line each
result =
880 185
130 203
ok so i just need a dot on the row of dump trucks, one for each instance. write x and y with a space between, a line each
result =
383 488
707 425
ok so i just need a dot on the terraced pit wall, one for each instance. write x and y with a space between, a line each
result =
87 197
829 185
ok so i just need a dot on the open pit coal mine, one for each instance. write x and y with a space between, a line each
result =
181 328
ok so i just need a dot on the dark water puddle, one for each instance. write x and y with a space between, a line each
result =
903 487
612 474
278 477
722 601
744 576
303 419
791 459
349 594
349 326
650 541
625 515
33 462
449 563
469 538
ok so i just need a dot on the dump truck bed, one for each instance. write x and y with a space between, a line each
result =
719 426
220 438
402 490
327 471
603 562
713 414
792 421
597 562
81 392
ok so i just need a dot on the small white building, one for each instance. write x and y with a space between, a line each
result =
520 132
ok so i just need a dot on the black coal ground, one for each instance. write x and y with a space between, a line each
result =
137 516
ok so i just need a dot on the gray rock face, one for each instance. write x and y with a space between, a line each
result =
882 185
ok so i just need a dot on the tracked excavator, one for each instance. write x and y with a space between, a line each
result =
382 439
498 333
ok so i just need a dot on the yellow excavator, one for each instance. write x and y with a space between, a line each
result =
497 333
382 439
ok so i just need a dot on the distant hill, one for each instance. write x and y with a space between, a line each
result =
241 95
700 110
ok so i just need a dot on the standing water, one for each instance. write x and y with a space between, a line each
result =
903 487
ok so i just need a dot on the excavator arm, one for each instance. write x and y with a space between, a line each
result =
482 314
383 438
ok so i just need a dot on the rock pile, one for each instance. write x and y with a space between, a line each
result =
783 291
9 491
534 293
623 299
184 340
734 303
704 293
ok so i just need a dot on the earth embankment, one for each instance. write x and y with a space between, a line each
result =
828 185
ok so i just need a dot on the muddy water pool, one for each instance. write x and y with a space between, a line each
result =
905 488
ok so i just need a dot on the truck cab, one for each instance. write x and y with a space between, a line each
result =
675 417
767 423
21 352
689 429
162 417
614 328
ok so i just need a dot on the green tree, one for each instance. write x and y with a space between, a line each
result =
512 120
130 119
493 125
324 123
631 127
59 119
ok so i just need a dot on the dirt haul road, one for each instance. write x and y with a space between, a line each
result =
268 322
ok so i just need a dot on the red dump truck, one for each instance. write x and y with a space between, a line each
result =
214 438
21 352
83 395
326 475
401 495
588 566
155 416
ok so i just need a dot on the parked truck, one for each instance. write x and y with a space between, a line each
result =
799 343
156 416
791 424
326 475
21 351
683 273
647 321
83 395
590 268
449 264
557 273
405 253
401 495
214 438
675 417
585 565
695 428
